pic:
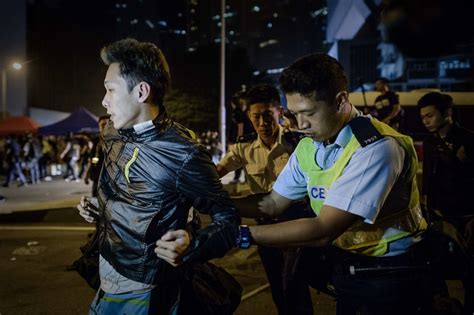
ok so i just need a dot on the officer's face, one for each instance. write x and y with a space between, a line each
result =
264 118
316 119
122 106
432 118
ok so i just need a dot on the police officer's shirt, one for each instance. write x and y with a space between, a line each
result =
261 165
365 184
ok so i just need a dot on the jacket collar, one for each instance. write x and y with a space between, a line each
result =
147 128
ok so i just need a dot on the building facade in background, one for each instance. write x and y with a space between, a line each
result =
358 39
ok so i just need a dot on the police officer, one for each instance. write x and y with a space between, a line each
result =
359 174
262 156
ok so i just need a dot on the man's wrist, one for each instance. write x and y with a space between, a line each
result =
244 239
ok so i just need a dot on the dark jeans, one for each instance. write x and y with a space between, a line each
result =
14 168
70 169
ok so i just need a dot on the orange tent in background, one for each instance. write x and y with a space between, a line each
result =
17 125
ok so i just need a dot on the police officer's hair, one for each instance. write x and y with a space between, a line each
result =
442 102
140 61
263 93
317 75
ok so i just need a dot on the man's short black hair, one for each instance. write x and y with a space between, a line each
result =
263 93
442 102
140 61
317 75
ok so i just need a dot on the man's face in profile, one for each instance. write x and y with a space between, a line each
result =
122 106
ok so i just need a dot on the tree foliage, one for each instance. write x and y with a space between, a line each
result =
194 100
195 111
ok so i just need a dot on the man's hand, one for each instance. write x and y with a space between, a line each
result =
172 246
86 209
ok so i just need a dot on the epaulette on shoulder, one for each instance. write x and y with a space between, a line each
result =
293 137
364 131
247 138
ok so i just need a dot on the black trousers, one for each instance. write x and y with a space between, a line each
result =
386 291
290 294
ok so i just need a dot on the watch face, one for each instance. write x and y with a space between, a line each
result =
244 240
245 245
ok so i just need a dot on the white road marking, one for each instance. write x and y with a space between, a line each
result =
252 293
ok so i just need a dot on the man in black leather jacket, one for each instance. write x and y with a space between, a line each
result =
153 173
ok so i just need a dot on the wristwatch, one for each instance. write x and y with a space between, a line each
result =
244 239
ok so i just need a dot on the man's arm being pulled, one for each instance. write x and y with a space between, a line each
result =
174 245
199 183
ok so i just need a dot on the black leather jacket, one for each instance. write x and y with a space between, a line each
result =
147 185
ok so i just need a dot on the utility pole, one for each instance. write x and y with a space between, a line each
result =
222 111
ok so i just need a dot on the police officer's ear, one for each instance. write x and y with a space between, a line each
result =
143 91
341 99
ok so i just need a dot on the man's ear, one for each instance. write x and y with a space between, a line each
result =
341 99
143 91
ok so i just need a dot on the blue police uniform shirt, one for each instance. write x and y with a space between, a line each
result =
364 184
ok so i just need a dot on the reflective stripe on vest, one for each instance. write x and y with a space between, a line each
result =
364 238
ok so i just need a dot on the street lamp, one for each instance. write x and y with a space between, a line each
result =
16 66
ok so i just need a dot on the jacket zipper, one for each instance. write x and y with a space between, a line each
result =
129 163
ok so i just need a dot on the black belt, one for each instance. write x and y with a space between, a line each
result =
353 264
